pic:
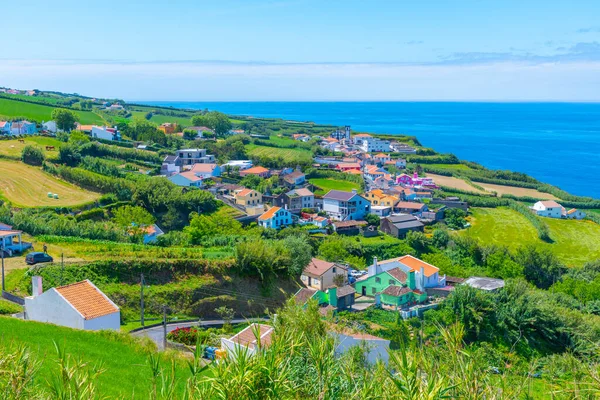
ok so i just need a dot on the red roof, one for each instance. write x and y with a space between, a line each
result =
87 299
318 267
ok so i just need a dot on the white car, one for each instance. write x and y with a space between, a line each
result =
357 274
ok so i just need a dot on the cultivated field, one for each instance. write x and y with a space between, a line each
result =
39 112
28 186
575 242
327 184
290 155
517 191
14 148
453 182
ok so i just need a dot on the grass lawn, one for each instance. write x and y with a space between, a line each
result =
289 155
14 148
127 372
575 242
28 186
327 184
39 112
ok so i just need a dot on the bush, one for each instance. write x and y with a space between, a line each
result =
7 308
32 155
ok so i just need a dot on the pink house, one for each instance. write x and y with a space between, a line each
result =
406 180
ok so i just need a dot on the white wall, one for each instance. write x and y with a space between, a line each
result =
53 308
110 321
374 349
101 133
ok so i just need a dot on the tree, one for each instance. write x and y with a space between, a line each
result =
226 315
32 155
190 134
440 238
372 219
540 266
205 226
214 120
65 119
133 218
78 138
300 253
69 154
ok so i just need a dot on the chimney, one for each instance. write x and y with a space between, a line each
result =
36 286
373 267
354 191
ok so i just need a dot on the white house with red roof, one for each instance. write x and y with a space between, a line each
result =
250 340
276 218
548 208
105 133
79 305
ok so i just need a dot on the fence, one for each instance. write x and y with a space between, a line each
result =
12 298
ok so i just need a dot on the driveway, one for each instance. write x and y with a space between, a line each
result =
156 334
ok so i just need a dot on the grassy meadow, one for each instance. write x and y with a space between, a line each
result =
28 186
290 155
39 112
14 148
127 372
327 184
575 242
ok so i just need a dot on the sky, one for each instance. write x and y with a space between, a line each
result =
306 50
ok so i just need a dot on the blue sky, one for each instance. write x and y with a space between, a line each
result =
305 49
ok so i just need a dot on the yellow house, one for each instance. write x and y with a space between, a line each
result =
378 198
247 197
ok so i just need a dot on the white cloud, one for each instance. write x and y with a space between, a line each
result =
573 81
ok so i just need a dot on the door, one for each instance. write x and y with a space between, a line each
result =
364 291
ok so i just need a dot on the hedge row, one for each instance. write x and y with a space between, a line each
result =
102 150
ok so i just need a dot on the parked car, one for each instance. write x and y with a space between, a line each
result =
38 257
357 274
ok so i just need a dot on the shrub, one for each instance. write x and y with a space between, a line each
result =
32 155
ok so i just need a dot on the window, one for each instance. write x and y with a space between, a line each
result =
392 282
334 269
373 290
377 280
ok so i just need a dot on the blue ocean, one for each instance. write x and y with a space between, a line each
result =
558 143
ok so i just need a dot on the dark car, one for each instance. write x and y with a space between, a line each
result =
37 257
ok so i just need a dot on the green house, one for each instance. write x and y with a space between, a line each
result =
401 295
378 283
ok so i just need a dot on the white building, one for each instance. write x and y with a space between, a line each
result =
373 144
574 214
50 126
194 156
80 305
241 164
275 217
426 275
249 341
345 206
187 178
104 133
375 348
548 208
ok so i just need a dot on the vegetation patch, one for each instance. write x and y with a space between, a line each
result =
290 155
39 112
327 184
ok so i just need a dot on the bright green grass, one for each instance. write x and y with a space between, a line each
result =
14 148
48 99
127 373
595 211
450 167
327 184
575 242
161 119
39 112
289 155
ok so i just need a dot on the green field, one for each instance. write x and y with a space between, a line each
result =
327 184
127 372
14 148
449 167
28 186
290 155
39 112
575 242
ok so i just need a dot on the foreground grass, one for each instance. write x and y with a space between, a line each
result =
39 112
575 242
125 360
28 186
326 184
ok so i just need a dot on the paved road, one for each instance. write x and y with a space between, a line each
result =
156 334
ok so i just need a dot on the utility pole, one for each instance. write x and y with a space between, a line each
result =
164 327
142 299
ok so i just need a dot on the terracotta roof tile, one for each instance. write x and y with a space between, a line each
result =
87 299
416 264
318 267
398 274
248 338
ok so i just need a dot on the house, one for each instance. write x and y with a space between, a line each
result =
102 132
358 139
115 107
236 132
548 208
426 275
275 218
23 128
399 163
168 128
373 144
574 214
375 348
84 128
257 171
378 198
321 275
12 240
201 131
187 178
239 164
381 211
404 180
345 206
398 147
247 197
334 298
487 284
170 166
372 285
373 172
350 228
341 134
348 166
5 127
151 233
399 225
194 156
79 305
206 170
301 137
294 179
250 340
297 199
314 219
382 158
384 181
50 126
409 207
